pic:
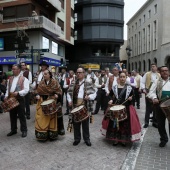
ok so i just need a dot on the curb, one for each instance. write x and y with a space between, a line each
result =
130 161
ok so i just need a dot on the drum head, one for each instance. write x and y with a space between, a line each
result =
165 103
77 109
47 102
117 107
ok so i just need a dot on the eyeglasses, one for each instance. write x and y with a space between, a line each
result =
22 65
79 72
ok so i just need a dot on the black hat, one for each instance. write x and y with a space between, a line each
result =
43 63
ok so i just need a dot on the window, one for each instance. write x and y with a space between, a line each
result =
72 13
62 4
45 43
75 17
61 24
136 45
155 9
154 35
144 41
149 14
149 38
136 25
139 43
61 50
132 47
129 30
72 32
132 29
139 22
19 11
144 18
54 48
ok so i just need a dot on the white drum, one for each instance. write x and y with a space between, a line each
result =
79 113
49 107
118 112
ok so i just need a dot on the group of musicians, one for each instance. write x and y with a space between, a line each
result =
109 90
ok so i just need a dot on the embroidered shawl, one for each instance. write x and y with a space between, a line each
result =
52 88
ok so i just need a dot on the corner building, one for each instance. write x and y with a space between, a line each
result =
148 36
50 28
98 32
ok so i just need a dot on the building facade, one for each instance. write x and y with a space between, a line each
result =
98 32
148 36
45 24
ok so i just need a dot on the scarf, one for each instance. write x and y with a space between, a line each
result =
52 88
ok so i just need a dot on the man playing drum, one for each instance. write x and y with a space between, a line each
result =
160 91
18 87
81 92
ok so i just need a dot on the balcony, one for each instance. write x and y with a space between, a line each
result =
37 22
51 4
43 22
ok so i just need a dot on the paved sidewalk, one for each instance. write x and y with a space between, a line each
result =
151 156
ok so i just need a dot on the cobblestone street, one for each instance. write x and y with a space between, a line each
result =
27 153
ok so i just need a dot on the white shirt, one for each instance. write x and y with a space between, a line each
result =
97 85
89 76
63 77
107 84
29 76
13 87
152 91
133 84
81 93
40 77
65 82
154 78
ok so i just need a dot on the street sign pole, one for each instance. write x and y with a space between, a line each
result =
32 61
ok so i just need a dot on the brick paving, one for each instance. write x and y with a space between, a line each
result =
151 156
18 153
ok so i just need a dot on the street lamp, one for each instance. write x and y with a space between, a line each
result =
128 51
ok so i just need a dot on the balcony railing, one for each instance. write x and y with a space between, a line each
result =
34 22
43 22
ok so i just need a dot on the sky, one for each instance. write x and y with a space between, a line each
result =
131 7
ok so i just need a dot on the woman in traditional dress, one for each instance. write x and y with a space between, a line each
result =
121 131
46 125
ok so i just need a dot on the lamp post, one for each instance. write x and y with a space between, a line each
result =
128 51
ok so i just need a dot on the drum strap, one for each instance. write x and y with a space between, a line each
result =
121 94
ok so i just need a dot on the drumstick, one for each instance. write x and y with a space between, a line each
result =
126 100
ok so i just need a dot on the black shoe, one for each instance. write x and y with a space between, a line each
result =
28 116
12 133
138 107
123 144
162 144
155 125
61 132
115 143
66 113
93 113
75 143
24 134
145 126
88 143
